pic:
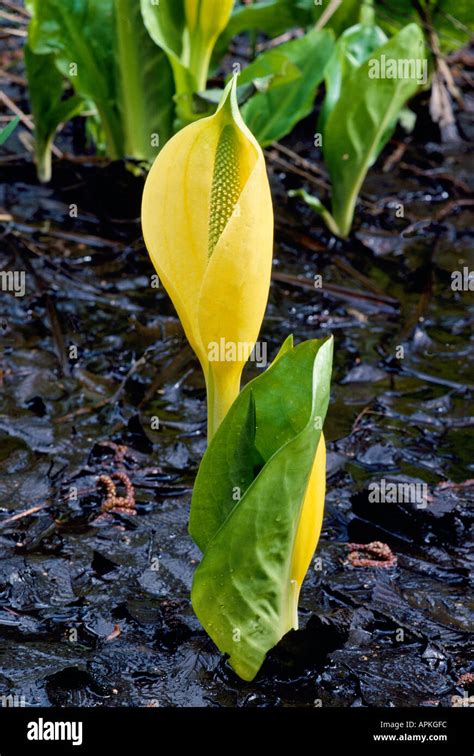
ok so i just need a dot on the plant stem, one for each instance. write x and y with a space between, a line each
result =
200 58
222 390
43 161
367 14
133 112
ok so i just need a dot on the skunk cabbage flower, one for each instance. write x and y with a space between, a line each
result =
208 225
205 20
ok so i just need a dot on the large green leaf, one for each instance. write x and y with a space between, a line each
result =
101 46
166 24
80 34
359 124
144 84
271 17
49 109
296 69
264 450
352 49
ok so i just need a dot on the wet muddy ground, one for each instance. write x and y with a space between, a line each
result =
95 608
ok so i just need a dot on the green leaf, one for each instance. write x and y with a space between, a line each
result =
166 24
360 122
269 70
8 130
266 445
352 49
274 17
297 69
49 109
101 46
144 85
80 34
271 18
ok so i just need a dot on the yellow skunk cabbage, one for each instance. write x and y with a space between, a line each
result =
187 31
208 225
205 20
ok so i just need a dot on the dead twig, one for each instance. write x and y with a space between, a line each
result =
290 168
21 515
307 165
9 31
16 19
447 484
395 157
17 8
361 415
346 267
435 173
326 14
339 291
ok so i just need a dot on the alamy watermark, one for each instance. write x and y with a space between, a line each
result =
12 701
240 351
13 281
390 492
399 68
462 280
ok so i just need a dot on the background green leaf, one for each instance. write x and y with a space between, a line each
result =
80 34
241 591
49 109
101 46
272 114
361 120
166 24
352 48
145 85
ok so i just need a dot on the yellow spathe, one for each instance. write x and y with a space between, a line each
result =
211 16
205 20
208 226
309 526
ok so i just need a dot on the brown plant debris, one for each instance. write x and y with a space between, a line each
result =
378 554
466 679
114 503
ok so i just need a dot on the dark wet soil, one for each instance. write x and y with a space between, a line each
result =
95 609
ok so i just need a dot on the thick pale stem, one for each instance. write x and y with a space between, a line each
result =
43 161
367 15
133 111
222 390
200 58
